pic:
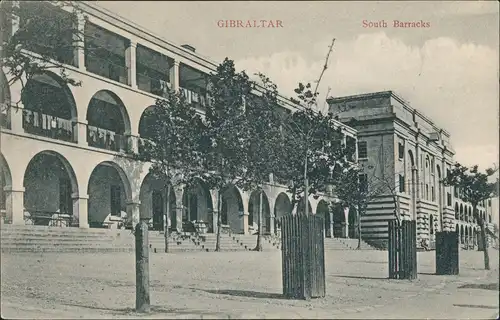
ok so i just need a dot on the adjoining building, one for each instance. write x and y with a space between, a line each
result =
66 151
408 154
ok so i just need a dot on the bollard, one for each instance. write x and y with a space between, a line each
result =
142 301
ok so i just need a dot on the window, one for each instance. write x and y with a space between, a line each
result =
115 201
455 192
448 199
363 182
362 150
426 192
433 195
401 151
489 202
401 183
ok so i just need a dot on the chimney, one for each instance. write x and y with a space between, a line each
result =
189 47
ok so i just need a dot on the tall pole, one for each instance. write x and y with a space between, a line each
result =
306 186
142 301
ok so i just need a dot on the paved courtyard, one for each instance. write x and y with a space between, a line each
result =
240 285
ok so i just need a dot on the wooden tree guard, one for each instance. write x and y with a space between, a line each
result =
402 249
447 253
303 256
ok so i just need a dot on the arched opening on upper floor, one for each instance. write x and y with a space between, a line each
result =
457 211
108 122
147 126
49 186
5 101
157 202
323 210
109 190
5 182
197 206
461 212
254 206
49 107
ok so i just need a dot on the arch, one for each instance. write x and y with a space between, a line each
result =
107 111
457 211
5 182
462 235
253 211
438 170
50 184
323 210
46 93
282 207
300 207
412 160
147 122
461 212
5 96
155 202
197 203
109 192
232 210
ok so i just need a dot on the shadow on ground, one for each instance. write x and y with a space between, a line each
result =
486 286
153 310
359 277
247 293
475 306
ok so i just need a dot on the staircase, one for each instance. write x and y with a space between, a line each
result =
55 239
345 244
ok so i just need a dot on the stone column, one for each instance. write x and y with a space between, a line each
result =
16 118
130 56
331 223
133 211
244 221
132 143
174 76
346 223
80 210
80 132
15 18
78 38
14 205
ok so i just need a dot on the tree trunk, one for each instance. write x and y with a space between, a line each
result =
483 238
219 221
358 217
259 236
165 219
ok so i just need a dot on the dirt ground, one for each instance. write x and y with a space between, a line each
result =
240 285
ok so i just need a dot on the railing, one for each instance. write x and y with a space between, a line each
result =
194 97
48 126
49 218
106 139
158 87
144 145
107 69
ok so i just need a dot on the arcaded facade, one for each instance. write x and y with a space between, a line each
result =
66 150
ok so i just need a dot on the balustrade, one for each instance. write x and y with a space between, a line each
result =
48 126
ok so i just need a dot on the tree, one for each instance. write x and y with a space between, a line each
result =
358 186
224 132
37 36
262 122
173 144
311 149
474 187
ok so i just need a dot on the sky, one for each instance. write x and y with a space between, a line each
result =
448 70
